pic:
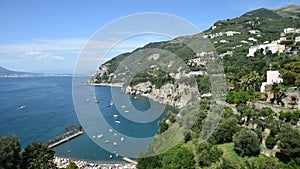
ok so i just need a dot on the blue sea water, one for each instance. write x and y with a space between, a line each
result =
49 109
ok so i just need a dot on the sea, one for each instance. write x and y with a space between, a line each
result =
36 109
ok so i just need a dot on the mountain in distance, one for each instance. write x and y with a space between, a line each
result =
10 73
4 71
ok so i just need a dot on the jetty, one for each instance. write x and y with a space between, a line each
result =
71 132
128 160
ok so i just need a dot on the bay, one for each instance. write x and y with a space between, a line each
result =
49 109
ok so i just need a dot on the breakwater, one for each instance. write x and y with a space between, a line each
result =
71 132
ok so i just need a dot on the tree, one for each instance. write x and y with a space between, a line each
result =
226 163
177 158
289 144
163 126
265 163
206 154
72 165
225 130
37 156
9 152
271 142
153 162
278 93
246 143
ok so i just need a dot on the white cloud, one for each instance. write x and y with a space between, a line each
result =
42 56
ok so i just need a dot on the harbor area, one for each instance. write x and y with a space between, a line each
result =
71 132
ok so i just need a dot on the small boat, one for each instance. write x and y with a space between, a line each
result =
106 141
94 137
123 106
115 134
111 104
115 144
117 155
110 130
115 115
117 122
100 135
126 111
122 138
22 107
96 101
87 100
135 97
110 156
108 105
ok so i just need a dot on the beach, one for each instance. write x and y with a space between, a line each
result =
62 162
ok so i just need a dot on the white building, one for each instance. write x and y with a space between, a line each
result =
289 30
273 76
223 41
297 39
273 47
231 33
252 39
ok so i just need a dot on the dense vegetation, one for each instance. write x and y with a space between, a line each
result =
245 135
33 156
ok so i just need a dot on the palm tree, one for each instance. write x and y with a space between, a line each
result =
254 77
278 93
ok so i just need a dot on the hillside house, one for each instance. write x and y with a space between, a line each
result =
232 33
273 76
273 47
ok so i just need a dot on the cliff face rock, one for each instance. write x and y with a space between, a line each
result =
178 94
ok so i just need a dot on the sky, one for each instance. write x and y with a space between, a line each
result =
48 36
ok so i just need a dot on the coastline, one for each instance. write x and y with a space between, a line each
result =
62 162
106 84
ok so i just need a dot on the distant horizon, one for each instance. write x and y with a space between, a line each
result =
47 37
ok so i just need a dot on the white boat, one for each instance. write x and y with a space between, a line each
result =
111 104
110 130
123 106
122 138
126 111
115 134
87 100
110 156
117 122
100 135
106 141
94 137
115 115
22 107
96 101
117 155
115 144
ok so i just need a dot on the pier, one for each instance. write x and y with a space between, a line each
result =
71 132
128 160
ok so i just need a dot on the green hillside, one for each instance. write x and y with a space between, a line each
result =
289 11
246 135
